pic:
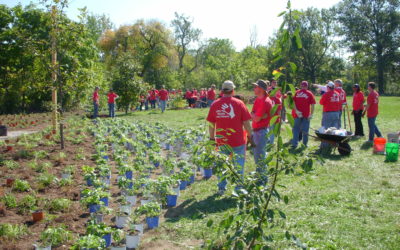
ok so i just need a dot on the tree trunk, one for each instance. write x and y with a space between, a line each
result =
380 68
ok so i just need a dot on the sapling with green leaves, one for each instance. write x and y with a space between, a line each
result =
55 236
89 242
151 209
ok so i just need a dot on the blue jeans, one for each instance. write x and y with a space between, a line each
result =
340 119
373 129
209 102
163 104
111 109
300 125
95 110
146 105
261 139
238 158
272 136
330 119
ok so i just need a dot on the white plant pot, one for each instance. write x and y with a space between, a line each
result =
202 171
140 228
38 247
105 181
185 156
99 218
131 199
126 208
121 221
118 248
65 176
132 241
177 190
142 202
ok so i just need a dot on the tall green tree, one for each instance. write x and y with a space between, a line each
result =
372 24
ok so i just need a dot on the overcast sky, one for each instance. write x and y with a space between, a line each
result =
231 19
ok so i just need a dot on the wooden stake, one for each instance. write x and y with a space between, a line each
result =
54 68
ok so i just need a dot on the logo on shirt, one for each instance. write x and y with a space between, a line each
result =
335 98
302 95
226 111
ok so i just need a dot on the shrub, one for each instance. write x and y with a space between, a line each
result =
26 204
13 232
58 205
45 180
21 185
9 201
55 236
10 164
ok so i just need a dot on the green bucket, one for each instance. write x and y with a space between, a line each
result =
392 152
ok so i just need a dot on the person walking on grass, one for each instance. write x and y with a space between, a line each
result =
358 108
211 95
372 111
304 102
261 117
111 103
96 99
163 95
228 118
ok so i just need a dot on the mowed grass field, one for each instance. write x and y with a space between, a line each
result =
345 203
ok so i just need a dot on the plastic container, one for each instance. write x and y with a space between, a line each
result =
93 208
379 146
171 200
152 222
208 173
105 201
392 152
183 185
107 238
129 175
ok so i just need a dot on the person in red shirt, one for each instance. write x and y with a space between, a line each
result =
203 98
260 122
187 96
211 95
153 98
331 107
163 95
302 113
358 107
95 99
111 103
228 118
372 110
343 100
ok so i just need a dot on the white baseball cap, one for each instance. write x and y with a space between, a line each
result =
330 84
228 85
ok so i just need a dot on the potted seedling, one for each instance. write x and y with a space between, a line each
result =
121 219
125 183
89 175
124 205
10 181
118 237
37 214
131 196
53 237
67 172
152 211
134 232
92 201
155 158
90 242
172 198
99 214
100 230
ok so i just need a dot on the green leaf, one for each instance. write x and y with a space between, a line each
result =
273 110
298 38
273 119
286 199
293 67
282 13
290 119
287 235
292 88
273 92
210 222
282 214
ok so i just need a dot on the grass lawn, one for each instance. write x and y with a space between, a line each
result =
348 202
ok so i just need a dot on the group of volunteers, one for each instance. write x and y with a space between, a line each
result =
111 97
156 98
200 99
229 114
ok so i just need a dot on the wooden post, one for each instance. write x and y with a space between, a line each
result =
62 135
54 67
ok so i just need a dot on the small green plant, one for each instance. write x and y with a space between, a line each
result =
23 154
40 167
151 209
99 229
45 180
21 185
10 164
90 242
26 204
70 169
65 182
118 237
13 232
41 154
55 236
9 201
58 205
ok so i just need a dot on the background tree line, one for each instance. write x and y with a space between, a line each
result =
357 41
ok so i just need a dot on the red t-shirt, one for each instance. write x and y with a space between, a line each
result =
194 93
203 94
373 101
111 97
211 94
228 114
358 101
95 96
342 95
303 99
188 95
262 106
331 101
163 94
153 94
277 101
